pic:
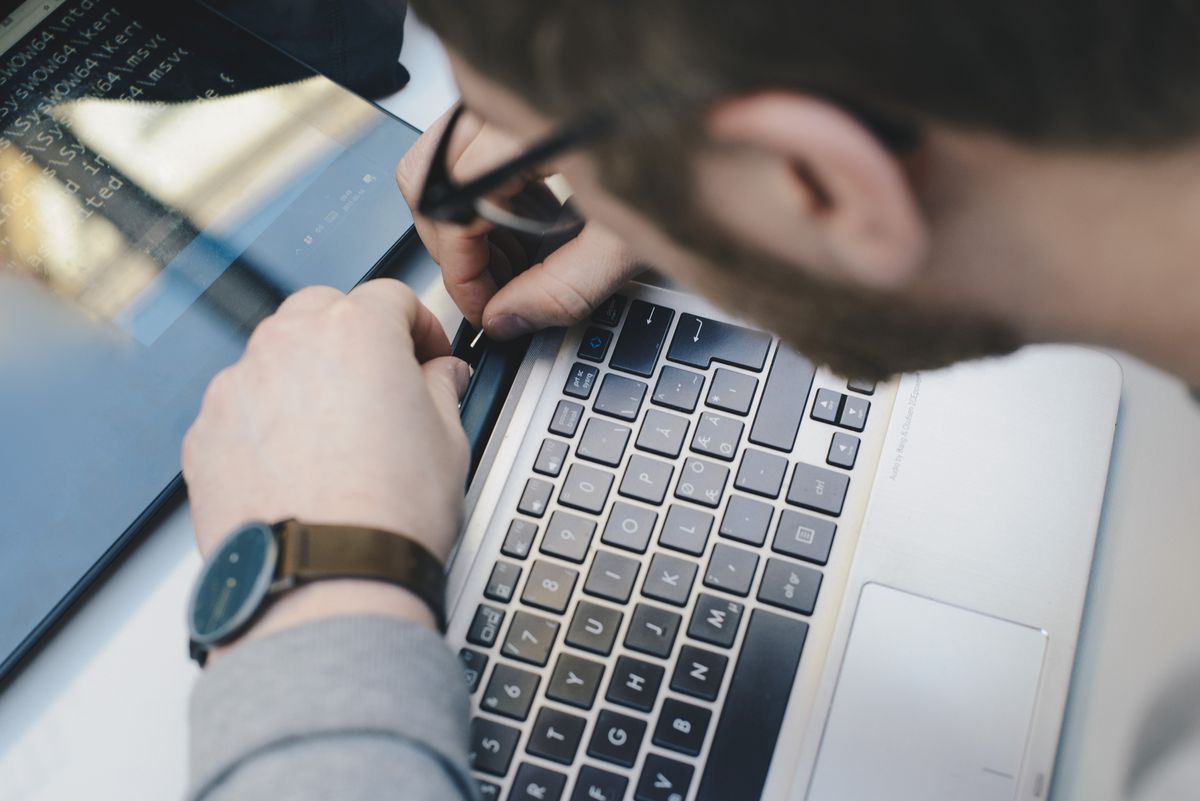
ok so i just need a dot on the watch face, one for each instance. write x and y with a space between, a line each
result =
233 584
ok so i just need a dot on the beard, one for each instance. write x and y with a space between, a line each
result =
855 332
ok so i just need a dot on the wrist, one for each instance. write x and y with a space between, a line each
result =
309 603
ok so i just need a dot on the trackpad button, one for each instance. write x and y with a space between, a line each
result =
933 702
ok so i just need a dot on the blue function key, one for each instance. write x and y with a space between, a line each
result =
594 346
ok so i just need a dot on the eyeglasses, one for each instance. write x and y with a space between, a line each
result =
540 207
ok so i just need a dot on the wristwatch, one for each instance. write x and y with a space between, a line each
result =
258 562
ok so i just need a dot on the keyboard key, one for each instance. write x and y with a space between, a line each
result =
603 442
535 498
699 341
585 488
731 569
790 586
530 638
549 586
594 345
843 450
510 691
662 433
620 397
783 399
550 458
635 683
535 783
827 405
818 489
854 413
581 381
555 735
568 536
566 419
678 389
717 436
686 529
617 738
629 527
503 581
746 520
804 537
485 626
519 539
715 620
474 663
646 479
575 681
667 780
744 742
732 391
612 576
642 338
859 385
594 784
698 673
594 628
761 473
488 791
702 482
669 579
492 746
609 312
652 630
681 727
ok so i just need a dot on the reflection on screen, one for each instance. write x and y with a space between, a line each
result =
165 181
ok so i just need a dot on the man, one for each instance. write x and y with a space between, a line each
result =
888 189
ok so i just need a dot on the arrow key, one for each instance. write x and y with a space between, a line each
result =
854 413
827 405
843 450
663 779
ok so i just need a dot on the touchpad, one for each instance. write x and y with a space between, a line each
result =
934 702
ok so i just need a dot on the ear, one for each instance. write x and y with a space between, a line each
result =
844 186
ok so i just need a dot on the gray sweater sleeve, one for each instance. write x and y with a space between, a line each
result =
351 708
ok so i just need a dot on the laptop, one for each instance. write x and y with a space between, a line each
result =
166 179
694 567
698 568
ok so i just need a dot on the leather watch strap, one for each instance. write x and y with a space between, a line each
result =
317 551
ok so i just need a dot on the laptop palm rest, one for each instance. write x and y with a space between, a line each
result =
933 702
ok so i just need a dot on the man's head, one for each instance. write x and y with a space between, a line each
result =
887 187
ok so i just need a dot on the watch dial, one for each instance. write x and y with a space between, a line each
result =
233 583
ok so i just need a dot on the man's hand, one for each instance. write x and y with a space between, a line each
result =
343 409
485 270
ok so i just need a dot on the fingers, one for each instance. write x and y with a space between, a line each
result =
447 379
310 299
393 300
563 289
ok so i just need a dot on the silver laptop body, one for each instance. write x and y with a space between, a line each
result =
902 628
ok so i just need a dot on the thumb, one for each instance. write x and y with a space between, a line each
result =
564 288
446 377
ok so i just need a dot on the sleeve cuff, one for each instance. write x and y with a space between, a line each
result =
346 675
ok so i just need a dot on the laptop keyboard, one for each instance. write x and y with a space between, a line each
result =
639 635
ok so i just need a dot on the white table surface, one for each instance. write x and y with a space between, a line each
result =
100 712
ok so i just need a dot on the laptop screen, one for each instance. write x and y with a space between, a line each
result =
165 180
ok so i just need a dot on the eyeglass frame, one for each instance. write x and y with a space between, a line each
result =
445 200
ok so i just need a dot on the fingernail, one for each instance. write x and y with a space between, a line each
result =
462 377
509 326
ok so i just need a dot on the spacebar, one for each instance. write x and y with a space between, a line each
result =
753 713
